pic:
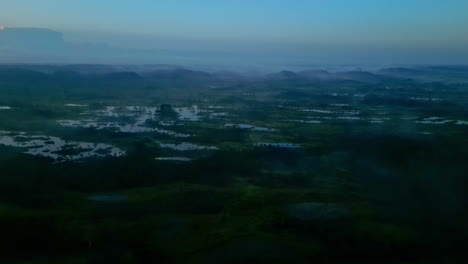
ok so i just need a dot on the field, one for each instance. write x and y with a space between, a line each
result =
180 166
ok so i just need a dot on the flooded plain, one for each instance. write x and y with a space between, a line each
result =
129 119
56 148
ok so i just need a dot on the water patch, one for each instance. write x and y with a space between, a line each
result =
459 122
424 99
140 114
56 148
321 111
378 120
188 113
348 117
76 105
277 145
185 146
433 118
434 121
318 111
129 128
217 115
352 112
167 123
440 121
410 117
305 121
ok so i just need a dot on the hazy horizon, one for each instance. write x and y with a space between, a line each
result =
265 34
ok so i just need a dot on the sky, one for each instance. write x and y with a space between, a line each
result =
379 31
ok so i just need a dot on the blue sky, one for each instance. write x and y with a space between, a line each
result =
400 25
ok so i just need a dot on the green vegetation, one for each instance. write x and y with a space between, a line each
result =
379 177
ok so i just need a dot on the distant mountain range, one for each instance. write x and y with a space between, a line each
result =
165 71
428 74
23 45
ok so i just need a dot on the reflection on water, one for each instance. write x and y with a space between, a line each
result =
372 120
325 111
277 145
218 115
339 105
424 99
5 107
185 146
188 113
349 117
56 148
434 120
76 105
318 111
305 121
136 127
140 114
134 119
